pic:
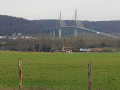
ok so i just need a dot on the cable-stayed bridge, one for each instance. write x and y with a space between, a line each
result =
78 26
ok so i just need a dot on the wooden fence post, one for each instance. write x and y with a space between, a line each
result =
20 73
90 76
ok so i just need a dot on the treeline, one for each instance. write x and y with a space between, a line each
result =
47 44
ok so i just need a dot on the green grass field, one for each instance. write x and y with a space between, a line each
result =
63 71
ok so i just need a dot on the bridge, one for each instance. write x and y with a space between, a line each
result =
77 27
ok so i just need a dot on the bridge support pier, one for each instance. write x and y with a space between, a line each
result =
50 33
75 32
60 33
53 33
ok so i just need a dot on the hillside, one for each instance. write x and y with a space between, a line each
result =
10 25
112 27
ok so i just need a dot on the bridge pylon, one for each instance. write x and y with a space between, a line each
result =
75 30
78 24
61 24
53 33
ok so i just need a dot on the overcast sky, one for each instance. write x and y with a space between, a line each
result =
50 9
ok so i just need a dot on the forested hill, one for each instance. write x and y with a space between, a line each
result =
10 25
112 27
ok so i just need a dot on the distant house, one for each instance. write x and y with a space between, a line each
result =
2 37
97 49
85 50
66 49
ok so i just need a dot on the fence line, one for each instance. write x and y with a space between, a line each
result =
90 87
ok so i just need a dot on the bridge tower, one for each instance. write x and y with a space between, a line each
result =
61 24
53 33
78 24
75 30
60 31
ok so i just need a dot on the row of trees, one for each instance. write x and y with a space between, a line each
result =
47 43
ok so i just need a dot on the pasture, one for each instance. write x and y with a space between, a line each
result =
60 71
